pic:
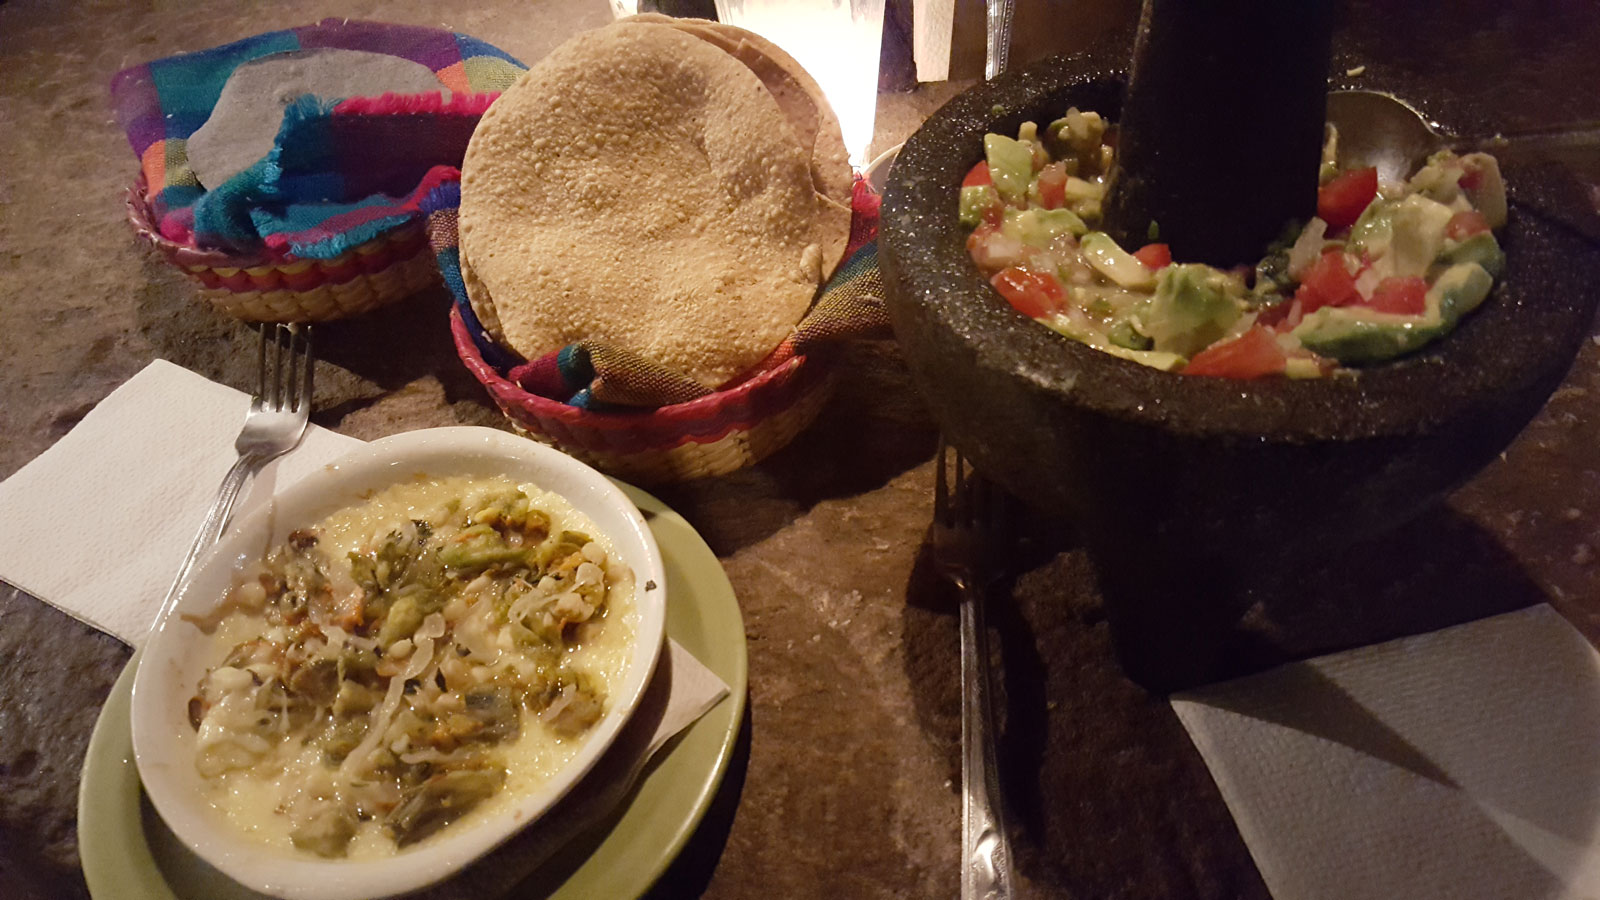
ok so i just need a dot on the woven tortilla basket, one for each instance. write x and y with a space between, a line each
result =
711 435
260 289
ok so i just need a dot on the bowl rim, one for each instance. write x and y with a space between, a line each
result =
162 739
923 248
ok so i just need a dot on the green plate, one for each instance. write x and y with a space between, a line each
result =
129 854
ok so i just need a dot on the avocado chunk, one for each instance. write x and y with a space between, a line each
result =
1416 235
1370 233
1010 166
1114 262
1460 290
1038 227
1489 197
1403 237
1193 306
976 200
1481 248
1354 334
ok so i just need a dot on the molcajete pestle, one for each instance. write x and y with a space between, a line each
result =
1176 481
1222 127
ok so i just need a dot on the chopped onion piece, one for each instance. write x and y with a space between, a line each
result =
1307 247
357 760
432 626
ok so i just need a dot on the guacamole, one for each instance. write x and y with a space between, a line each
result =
1380 271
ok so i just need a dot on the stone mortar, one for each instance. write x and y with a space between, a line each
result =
1204 468
1191 492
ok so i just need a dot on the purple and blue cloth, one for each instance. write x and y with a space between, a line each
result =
343 171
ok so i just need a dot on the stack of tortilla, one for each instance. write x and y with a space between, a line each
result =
677 188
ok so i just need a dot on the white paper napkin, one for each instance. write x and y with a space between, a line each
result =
1459 764
98 524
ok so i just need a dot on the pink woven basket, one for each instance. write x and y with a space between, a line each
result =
711 435
264 289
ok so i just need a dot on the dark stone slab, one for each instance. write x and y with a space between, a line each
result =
54 673
851 758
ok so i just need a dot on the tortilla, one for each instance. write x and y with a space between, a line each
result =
478 299
805 106
643 188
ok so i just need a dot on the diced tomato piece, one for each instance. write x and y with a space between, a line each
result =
1274 315
1034 294
1465 224
1053 185
1341 201
978 176
1327 283
1471 177
1406 296
1250 355
1154 256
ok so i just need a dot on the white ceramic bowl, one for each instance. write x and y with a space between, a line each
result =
877 172
175 657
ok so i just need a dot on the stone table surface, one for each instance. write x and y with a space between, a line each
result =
846 781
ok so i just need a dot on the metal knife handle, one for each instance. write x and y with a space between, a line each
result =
1581 140
985 850
998 26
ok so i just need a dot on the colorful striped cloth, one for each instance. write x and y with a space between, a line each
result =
344 170
596 376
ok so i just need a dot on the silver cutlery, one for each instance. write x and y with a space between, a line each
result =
997 27
964 518
276 422
1381 130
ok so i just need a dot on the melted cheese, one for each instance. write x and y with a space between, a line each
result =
251 799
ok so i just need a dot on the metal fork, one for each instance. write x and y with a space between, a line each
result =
963 523
274 425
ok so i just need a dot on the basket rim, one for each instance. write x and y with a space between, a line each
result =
704 408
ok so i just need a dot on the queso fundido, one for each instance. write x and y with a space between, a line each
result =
409 660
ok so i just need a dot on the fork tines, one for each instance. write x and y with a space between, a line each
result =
961 495
284 384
